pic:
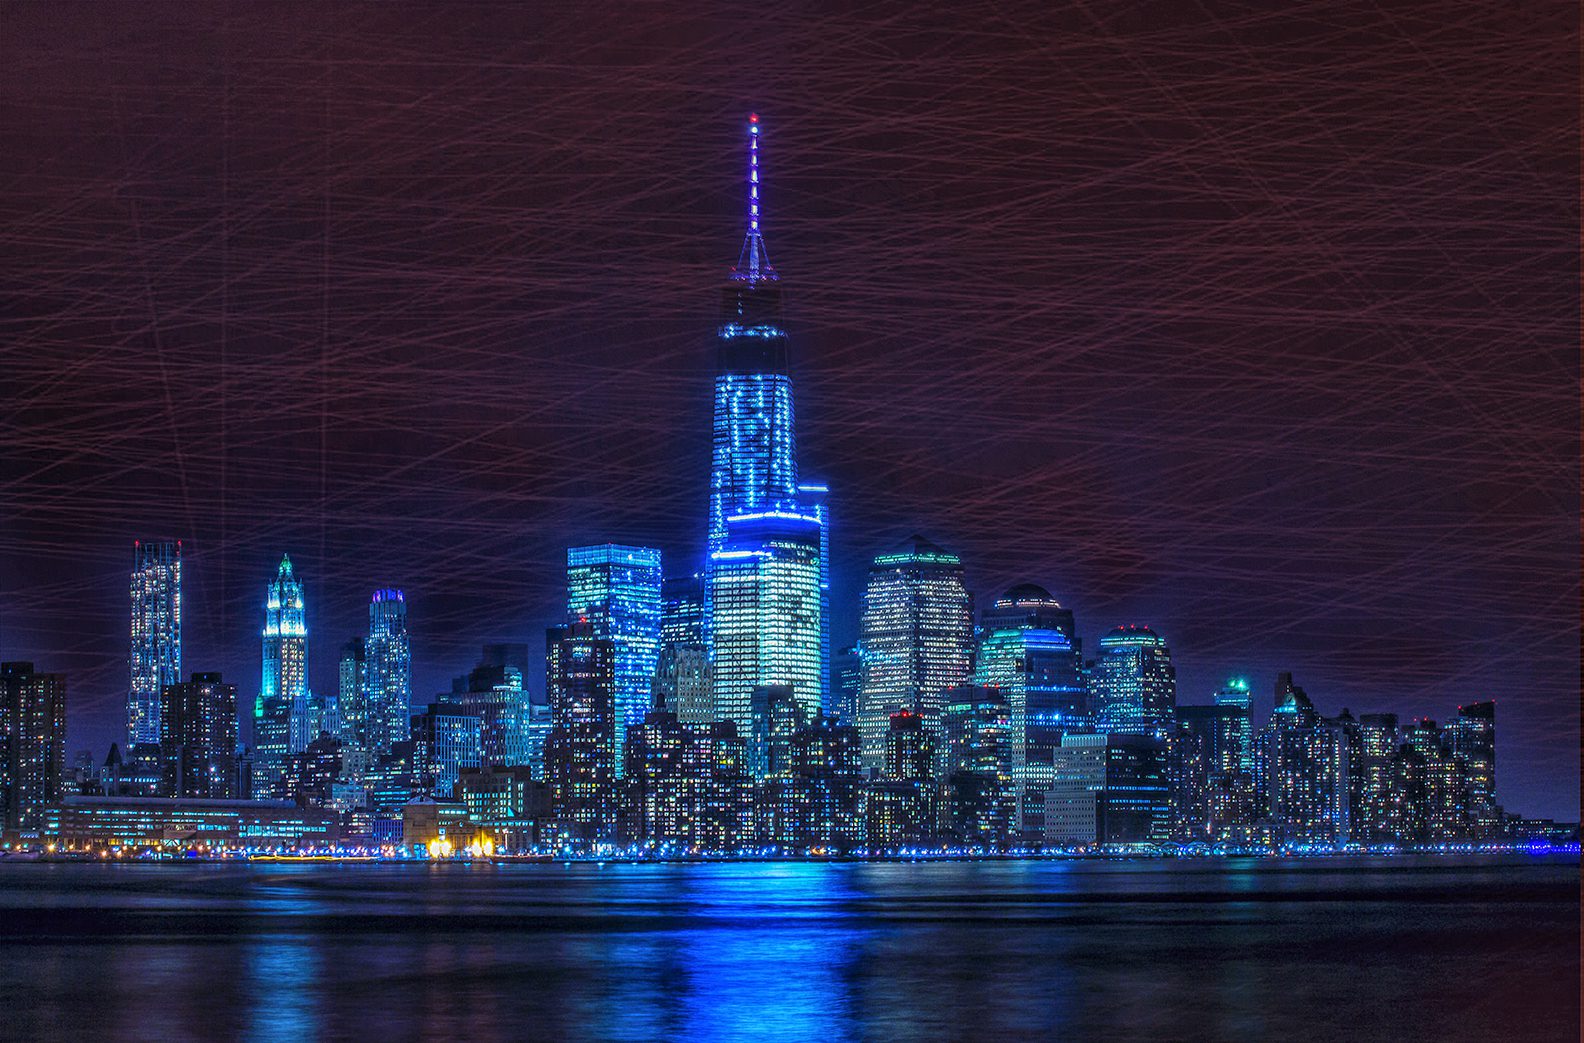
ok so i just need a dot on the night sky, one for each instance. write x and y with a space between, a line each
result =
1257 323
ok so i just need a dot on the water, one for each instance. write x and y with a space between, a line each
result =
1258 949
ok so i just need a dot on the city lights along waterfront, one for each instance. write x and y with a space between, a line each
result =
810 523
694 709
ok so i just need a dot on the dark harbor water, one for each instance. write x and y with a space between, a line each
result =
1391 949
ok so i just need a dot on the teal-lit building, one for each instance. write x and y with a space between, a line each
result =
616 590
1235 693
281 710
1134 684
1029 650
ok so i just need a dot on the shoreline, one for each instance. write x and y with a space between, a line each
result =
1565 852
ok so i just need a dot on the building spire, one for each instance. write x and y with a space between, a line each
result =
753 263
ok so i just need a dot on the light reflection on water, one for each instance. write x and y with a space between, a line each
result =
1340 949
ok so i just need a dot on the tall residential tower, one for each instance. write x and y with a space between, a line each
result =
156 635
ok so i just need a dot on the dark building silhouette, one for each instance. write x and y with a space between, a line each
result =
198 738
580 751
33 730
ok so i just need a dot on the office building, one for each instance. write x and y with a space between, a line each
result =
162 823
682 671
767 568
980 793
616 589
1206 756
1029 650
682 611
352 702
765 613
1108 790
1235 693
915 639
1134 683
846 682
446 739
494 692
387 672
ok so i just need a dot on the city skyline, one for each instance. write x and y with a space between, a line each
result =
1385 596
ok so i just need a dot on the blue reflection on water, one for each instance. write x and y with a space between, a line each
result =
1326 949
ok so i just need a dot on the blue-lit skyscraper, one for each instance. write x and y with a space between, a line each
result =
387 673
813 496
769 542
156 635
754 464
766 604
616 589
1029 649
283 687
1134 683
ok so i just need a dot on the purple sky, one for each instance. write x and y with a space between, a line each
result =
1260 327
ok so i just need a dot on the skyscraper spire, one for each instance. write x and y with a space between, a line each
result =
753 263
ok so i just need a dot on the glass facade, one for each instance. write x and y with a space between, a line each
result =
768 536
1236 693
766 609
617 590
915 639
1134 683
387 673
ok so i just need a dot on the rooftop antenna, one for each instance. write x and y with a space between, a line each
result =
753 264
